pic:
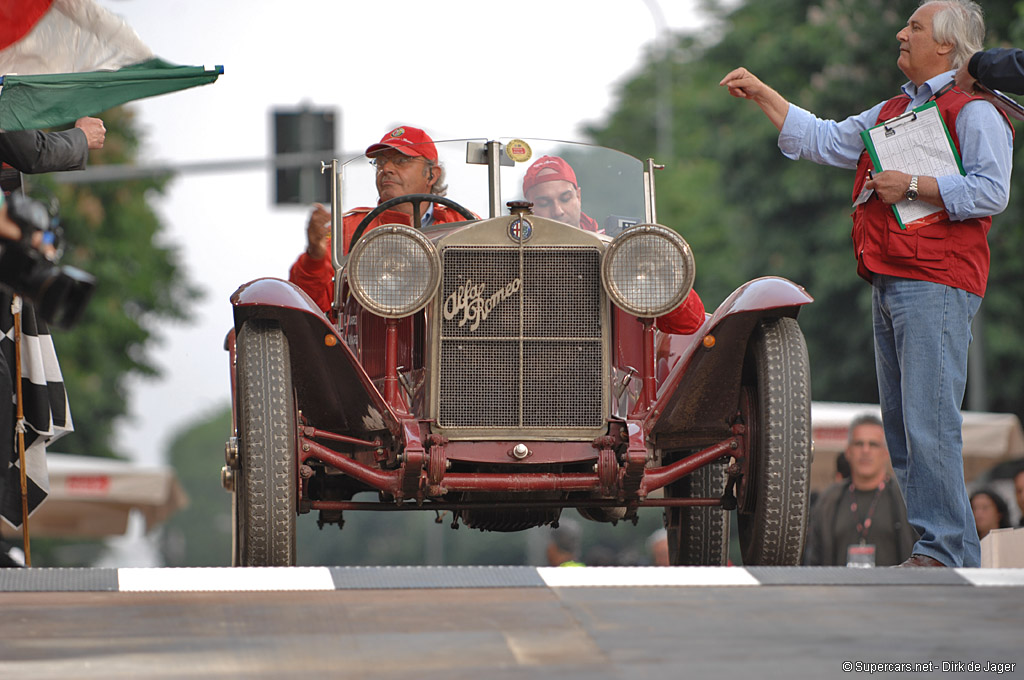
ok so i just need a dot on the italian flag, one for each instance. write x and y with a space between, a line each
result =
64 59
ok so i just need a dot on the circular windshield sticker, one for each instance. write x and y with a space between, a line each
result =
518 150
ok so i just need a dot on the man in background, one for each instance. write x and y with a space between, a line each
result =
565 544
861 521
657 546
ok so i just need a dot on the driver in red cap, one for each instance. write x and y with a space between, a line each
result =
406 162
550 184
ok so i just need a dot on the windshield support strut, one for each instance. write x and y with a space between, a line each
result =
652 212
337 240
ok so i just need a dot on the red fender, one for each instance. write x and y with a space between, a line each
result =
331 387
704 378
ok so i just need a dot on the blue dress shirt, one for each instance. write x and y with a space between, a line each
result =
986 148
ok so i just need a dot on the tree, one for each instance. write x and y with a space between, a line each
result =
748 211
112 233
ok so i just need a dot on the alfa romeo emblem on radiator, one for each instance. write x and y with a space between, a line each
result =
520 230
468 299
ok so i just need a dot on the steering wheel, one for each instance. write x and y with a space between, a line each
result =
415 199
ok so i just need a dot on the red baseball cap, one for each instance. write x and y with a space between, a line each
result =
548 169
409 140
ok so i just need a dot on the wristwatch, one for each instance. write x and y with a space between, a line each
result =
912 189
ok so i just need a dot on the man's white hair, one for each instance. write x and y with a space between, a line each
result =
960 23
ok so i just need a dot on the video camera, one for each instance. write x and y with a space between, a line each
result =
60 293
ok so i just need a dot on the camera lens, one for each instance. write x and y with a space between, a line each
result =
62 296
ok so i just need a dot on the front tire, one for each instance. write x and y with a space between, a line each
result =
267 486
776 406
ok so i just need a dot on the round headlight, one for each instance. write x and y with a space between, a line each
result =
394 271
648 270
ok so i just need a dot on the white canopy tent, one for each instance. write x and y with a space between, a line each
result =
989 438
94 497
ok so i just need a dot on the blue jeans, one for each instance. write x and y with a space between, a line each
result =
922 331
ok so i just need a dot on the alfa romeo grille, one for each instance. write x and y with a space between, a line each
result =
521 338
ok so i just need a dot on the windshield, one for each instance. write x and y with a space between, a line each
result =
591 187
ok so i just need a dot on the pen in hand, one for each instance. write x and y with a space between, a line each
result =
865 192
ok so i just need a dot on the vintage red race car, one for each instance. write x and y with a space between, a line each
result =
505 369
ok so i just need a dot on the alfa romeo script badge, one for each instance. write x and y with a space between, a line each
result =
469 301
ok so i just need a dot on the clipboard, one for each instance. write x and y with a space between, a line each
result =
918 143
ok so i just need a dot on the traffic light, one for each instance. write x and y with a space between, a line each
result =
298 180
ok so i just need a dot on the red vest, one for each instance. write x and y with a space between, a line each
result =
952 253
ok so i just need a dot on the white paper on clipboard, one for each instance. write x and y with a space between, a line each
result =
916 143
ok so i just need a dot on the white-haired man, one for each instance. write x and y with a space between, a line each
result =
927 283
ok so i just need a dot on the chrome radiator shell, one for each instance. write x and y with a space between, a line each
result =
521 336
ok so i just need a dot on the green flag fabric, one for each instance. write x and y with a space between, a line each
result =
48 100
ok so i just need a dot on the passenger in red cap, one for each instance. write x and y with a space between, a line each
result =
550 184
406 162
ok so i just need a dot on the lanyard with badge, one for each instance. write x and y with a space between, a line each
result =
862 554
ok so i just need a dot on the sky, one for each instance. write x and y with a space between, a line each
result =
457 68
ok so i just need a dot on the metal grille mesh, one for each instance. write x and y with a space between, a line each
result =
557 365
485 390
561 294
521 342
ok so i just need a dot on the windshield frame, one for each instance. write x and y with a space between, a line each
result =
606 177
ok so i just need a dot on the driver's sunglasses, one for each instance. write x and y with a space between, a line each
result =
399 160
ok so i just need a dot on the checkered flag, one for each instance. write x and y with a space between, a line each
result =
46 413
